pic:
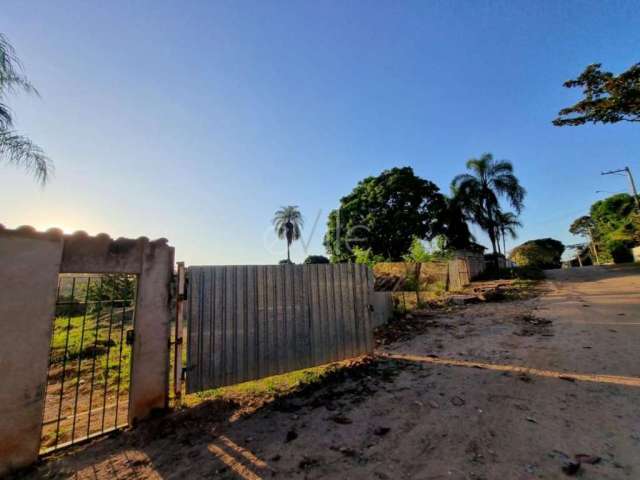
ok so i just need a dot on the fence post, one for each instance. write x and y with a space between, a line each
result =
177 357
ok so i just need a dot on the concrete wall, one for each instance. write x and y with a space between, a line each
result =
430 272
455 274
30 263
382 303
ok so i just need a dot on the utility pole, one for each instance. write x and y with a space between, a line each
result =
626 170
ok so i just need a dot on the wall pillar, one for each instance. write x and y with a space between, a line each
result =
29 266
150 366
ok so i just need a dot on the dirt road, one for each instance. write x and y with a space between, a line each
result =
505 390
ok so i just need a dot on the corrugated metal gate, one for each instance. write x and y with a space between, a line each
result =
249 322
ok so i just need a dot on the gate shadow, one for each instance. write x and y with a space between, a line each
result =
202 441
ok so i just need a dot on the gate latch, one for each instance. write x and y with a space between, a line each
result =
130 337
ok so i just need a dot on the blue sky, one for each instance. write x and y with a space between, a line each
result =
195 121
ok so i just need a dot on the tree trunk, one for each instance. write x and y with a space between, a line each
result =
492 238
504 245
288 257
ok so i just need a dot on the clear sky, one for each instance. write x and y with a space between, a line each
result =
195 120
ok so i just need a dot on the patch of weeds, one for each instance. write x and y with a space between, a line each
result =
264 388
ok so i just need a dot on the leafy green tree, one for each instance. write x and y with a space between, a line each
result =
582 226
116 288
288 224
316 259
541 253
452 229
366 257
616 225
417 252
585 227
383 214
479 192
16 149
608 98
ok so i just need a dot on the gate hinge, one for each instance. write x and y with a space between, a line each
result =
185 369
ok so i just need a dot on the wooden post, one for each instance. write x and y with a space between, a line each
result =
177 352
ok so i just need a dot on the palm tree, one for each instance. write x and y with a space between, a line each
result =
288 223
479 193
14 148
507 224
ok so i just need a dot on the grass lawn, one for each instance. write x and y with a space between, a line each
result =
265 387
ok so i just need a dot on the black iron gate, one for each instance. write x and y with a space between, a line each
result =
87 391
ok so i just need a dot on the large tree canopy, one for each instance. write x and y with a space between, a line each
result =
452 226
608 98
613 227
384 214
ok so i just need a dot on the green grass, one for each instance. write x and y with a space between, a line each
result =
85 346
265 387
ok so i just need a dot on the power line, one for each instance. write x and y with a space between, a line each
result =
626 170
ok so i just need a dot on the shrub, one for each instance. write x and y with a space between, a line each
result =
285 262
366 256
541 253
620 251
417 253
316 259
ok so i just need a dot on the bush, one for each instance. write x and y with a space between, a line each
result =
365 256
316 259
417 253
285 262
620 251
541 253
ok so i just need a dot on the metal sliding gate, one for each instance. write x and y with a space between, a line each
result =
87 392
250 322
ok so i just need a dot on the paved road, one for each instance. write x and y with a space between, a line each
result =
596 314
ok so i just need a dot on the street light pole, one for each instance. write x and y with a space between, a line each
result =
626 170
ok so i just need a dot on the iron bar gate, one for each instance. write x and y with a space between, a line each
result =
87 392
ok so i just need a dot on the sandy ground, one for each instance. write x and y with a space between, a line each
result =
505 390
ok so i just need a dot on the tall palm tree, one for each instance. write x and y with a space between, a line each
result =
14 148
288 223
508 224
480 190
